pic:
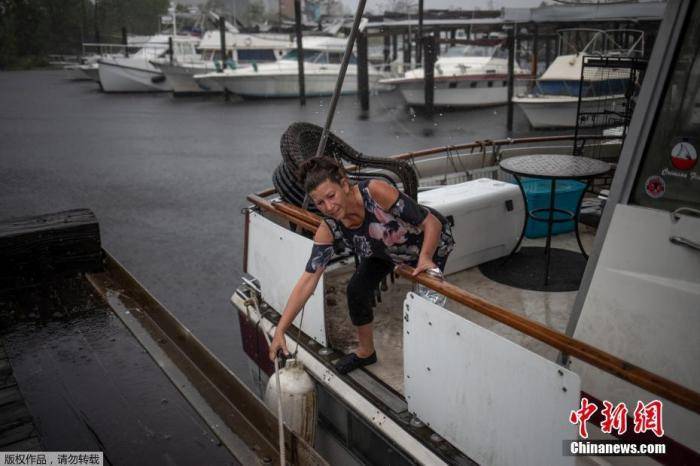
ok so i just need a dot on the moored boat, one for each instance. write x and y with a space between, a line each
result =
554 100
135 73
474 75
322 57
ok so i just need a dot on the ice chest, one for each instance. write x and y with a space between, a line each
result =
487 217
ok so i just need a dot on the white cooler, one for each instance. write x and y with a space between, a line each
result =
487 216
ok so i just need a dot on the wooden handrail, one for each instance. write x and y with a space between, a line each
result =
602 360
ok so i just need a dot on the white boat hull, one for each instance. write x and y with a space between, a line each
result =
91 72
129 76
556 111
286 85
459 93
181 78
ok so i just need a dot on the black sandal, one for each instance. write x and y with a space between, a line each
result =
352 361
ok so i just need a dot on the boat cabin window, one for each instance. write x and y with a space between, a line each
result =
309 55
471 51
319 57
184 48
257 55
669 176
336 58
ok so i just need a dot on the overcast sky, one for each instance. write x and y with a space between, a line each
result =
377 5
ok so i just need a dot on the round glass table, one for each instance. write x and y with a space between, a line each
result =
553 167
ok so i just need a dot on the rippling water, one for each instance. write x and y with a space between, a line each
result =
167 177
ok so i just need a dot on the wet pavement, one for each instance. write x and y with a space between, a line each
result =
90 386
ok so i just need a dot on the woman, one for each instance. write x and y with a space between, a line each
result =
382 226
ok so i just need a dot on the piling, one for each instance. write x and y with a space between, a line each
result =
535 51
387 48
362 71
394 47
222 38
430 49
125 41
511 64
419 36
300 52
170 49
97 27
405 47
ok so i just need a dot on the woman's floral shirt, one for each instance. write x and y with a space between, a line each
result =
395 235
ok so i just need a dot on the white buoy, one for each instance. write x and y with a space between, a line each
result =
298 399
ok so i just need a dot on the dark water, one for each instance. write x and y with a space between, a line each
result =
167 177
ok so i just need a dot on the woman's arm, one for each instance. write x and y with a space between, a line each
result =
388 198
300 294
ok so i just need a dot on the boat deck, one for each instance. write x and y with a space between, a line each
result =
549 308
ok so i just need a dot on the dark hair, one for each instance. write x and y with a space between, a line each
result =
316 170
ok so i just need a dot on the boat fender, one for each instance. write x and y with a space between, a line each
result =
158 79
255 66
298 399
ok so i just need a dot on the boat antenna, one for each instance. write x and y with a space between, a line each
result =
341 77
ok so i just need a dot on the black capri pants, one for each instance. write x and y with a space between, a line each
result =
362 286
364 283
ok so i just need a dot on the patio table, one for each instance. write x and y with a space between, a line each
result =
553 167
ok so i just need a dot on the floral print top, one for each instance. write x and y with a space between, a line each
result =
395 235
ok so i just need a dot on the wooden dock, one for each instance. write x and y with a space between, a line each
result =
17 430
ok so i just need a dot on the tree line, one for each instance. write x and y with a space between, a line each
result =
30 30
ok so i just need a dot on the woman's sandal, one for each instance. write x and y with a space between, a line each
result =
352 361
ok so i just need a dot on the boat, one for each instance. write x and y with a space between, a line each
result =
245 49
501 375
322 57
474 75
135 73
553 101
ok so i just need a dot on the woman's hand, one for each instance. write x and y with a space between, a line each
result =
424 263
278 343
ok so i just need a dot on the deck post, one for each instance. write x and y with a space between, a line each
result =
547 52
394 47
453 37
300 52
362 71
511 65
125 41
430 49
